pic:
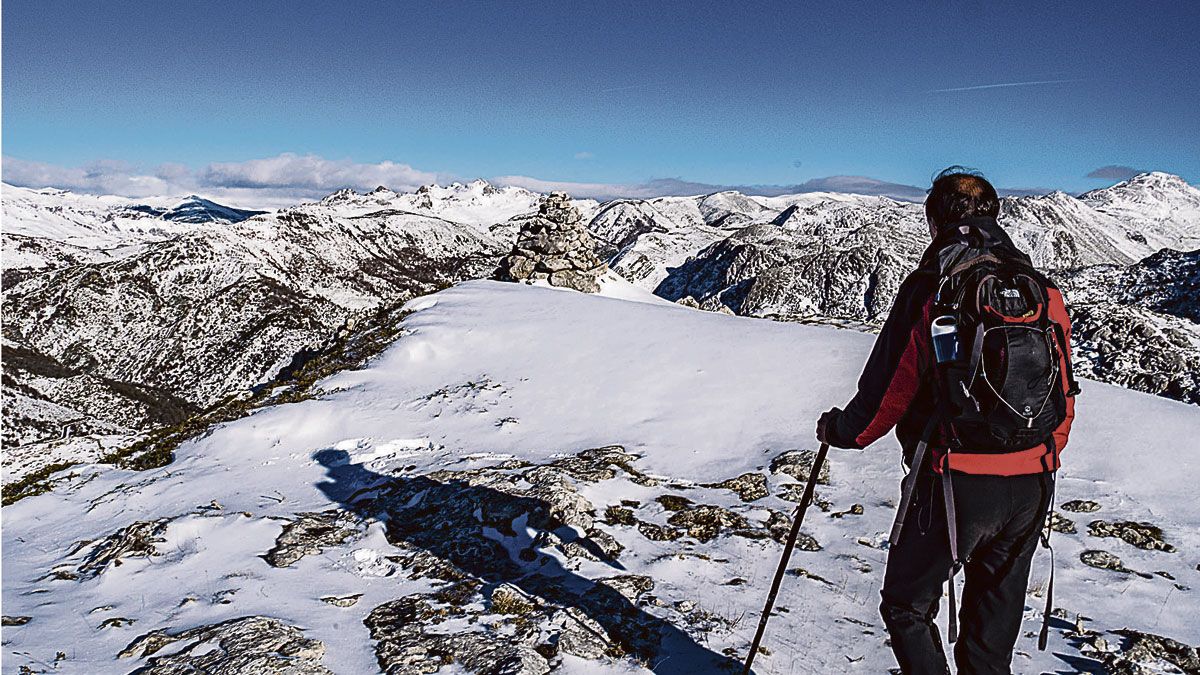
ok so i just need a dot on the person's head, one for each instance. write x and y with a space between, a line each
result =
959 193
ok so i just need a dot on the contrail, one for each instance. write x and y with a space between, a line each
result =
1003 84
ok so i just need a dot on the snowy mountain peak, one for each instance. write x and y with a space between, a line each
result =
1149 186
196 209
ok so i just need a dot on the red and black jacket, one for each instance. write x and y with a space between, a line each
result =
896 386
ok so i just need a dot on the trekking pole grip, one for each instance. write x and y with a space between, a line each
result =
809 489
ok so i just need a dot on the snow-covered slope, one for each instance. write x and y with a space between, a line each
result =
533 478
209 313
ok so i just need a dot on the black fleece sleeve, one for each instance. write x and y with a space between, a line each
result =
894 371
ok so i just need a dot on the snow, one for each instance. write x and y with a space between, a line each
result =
487 371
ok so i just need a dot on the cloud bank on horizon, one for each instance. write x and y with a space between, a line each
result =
289 177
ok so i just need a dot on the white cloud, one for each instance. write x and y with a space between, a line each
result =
313 172
101 177
597 190
584 154
271 181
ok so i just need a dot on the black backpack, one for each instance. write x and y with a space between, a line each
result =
999 386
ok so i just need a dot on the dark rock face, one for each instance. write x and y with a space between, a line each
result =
554 246
834 268
1139 326
246 646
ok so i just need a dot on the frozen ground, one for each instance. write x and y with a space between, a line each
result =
500 387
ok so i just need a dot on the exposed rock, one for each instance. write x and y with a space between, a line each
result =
508 599
655 532
310 534
342 600
246 646
674 502
1141 653
1103 560
596 542
582 636
854 510
748 486
405 645
780 526
523 607
14 620
565 505
619 515
1142 535
554 245
798 464
1081 506
706 522
631 586
803 573
1058 523
135 540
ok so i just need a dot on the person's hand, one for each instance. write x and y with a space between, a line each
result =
827 418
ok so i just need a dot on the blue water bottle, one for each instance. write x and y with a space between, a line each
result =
945 338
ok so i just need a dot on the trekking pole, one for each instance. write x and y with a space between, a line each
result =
809 488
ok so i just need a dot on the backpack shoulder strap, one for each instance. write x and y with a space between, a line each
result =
1072 384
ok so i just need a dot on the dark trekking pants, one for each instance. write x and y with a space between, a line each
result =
999 518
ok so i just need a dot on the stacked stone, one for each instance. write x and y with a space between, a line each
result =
554 246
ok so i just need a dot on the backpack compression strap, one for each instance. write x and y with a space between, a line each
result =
910 481
952 531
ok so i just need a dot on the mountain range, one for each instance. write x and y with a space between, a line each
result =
123 316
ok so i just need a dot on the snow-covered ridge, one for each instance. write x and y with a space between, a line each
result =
549 480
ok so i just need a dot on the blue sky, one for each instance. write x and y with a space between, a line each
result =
598 93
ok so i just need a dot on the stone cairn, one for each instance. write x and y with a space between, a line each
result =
554 246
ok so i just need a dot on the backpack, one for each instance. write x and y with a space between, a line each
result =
999 354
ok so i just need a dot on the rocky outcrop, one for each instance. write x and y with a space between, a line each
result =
253 645
310 534
554 246
136 540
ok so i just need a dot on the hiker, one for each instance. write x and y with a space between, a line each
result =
972 367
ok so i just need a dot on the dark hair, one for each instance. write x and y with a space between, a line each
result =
959 193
